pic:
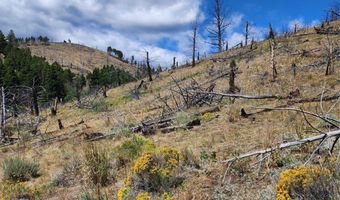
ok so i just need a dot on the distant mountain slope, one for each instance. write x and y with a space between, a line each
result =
79 58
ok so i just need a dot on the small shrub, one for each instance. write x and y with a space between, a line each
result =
123 193
143 196
97 165
240 167
208 156
183 118
299 180
207 117
189 159
122 131
18 190
92 195
132 148
153 171
100 106
16 169
69 175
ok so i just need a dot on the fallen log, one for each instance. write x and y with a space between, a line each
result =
286 145
241 96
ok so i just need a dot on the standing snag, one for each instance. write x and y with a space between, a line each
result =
194 38
272 43
219 24
232 87
148 66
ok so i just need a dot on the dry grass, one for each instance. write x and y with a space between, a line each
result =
229 134
78 58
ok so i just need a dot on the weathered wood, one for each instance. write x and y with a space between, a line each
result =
286 145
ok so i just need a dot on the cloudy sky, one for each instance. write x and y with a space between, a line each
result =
162 27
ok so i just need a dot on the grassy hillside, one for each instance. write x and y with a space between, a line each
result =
221 135
79 58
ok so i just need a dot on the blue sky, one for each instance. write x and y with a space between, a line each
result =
161 27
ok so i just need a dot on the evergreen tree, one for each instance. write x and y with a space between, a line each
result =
3 42
11 39
79 83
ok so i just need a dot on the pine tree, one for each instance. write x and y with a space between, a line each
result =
3 42
11 39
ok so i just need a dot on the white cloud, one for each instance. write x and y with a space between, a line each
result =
129 25
296 22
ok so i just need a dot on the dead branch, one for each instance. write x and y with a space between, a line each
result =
324 118
240 96
286 145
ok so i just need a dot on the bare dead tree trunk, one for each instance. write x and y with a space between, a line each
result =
246 33
219 24
54 108
330 57
232 87
35 105
272 58
174 63
148 66
60 125
226 46
194 37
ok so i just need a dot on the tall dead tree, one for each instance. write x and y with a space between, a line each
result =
148 66
272 42
232 86
246 33
174 63
219 24
329 47
194 38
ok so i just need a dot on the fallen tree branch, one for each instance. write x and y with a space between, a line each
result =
240 96
327 135
326 119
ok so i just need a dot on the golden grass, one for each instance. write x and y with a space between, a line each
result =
229 134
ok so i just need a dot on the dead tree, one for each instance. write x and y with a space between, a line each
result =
330 56
246 34
272 51
148 66
173 63
194 38
219 24
60 124
232 87
252 43
54 108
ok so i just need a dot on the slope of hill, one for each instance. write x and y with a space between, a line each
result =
79 58
222 134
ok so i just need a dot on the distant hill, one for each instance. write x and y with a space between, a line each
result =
78 58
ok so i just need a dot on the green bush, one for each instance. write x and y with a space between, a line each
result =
17 169
132 148
97 165
100 106
183 118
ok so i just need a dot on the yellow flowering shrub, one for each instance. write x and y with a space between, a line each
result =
143 196
300 177
132 148
166 196
207 117
122 193
17 190
153 169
